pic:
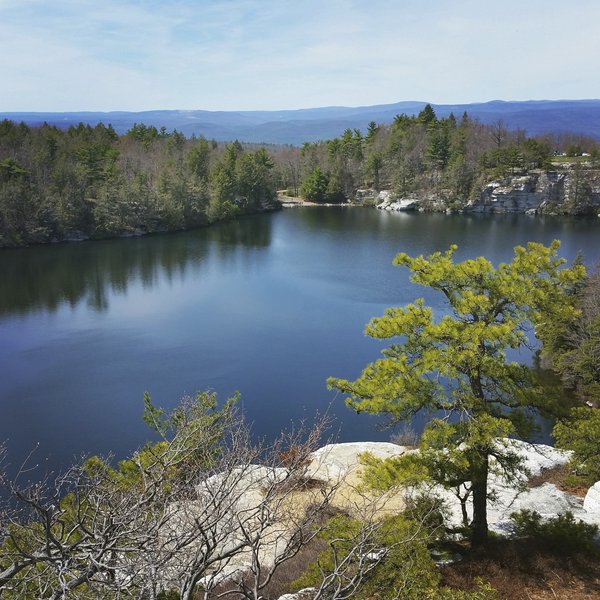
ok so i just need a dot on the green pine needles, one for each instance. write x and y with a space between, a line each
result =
455 367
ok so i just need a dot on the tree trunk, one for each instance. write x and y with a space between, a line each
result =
479 525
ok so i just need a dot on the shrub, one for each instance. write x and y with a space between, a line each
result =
581 434
391 560
561 533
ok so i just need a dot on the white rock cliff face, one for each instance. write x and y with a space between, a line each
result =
522 194
568 191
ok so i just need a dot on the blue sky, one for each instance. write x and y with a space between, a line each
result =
67 55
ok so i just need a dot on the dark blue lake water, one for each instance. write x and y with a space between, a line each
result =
270 306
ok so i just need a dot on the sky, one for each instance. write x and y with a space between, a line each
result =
105 55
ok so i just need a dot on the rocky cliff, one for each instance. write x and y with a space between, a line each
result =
571 190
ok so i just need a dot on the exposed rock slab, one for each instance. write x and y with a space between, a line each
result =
400 205
338 466
591 503
333 462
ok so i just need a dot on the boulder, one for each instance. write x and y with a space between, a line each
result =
403 204
385 195
303 594
334 462
338 466
365 194
591 503
539 457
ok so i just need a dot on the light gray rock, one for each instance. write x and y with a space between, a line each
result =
333 462
513 496
365 194
403 204
336 463
539 457
303 594
591 503
540 192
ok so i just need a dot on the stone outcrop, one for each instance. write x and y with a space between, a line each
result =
570 190
365 195
530 193
591 503
341 462
337 467
402 204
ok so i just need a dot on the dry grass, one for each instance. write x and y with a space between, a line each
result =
517 569
557 476
524 570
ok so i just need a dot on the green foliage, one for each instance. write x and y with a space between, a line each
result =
400 565
10 170
314 188
573 344
580 433
198 159
438 144
445 162
254 180
168 596
427 115
562 533
73 540
484 591
403 470
429 510
406 571
456 364
89 182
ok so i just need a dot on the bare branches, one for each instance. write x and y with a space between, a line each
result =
198 506
205 511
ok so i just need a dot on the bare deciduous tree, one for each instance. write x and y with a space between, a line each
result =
200 504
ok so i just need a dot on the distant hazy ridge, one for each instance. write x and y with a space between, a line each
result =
313 124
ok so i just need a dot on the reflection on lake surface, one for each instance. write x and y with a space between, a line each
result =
269 305
44 278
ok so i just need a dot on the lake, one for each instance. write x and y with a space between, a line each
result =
269 305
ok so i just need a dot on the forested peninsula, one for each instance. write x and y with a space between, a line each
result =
89 182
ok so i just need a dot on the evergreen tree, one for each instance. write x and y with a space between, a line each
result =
456 366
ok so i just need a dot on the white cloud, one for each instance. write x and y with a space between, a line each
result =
250 54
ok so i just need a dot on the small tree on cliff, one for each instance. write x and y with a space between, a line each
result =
455 367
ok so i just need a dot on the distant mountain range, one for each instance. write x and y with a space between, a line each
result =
313 124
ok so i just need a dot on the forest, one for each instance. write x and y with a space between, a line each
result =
445 162
89 182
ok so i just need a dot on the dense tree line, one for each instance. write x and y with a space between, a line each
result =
573 350
438 159
573 346
89 182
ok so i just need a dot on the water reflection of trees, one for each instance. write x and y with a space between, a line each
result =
44 278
